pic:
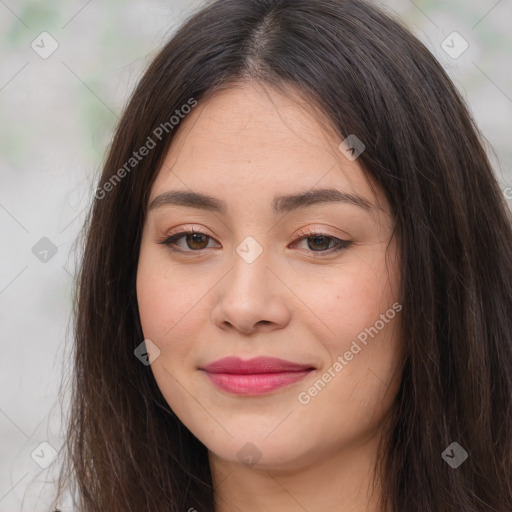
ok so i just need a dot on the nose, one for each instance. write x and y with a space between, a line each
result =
251 298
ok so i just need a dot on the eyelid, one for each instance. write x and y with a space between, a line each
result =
188 228
311 231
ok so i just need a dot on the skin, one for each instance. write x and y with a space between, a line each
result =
245 145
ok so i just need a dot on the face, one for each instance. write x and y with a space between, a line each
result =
254 272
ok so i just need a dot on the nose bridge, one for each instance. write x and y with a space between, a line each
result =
249 273
249 296
250 250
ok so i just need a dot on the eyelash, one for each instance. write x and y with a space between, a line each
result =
340 244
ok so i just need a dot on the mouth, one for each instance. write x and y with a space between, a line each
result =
255 376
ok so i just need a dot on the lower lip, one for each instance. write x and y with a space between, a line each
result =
255 383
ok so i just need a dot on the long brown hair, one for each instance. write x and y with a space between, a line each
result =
125 449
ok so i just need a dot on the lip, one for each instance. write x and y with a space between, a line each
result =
255 376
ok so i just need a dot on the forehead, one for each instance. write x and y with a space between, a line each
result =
251 118
248 139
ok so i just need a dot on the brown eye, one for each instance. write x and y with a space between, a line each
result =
187 241
319 242
193 241
196 241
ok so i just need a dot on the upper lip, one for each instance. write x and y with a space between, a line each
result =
256 365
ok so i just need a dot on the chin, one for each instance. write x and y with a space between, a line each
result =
262 454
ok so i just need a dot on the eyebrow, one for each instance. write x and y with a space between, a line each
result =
280 204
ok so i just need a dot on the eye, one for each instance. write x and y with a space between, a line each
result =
322 242
194 241
191 240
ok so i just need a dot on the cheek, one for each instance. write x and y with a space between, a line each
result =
351 299
357 305
171 313
169 305
367 339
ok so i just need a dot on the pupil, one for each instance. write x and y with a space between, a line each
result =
195 239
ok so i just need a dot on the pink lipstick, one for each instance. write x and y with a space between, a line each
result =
255 376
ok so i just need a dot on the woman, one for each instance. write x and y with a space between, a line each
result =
296 286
